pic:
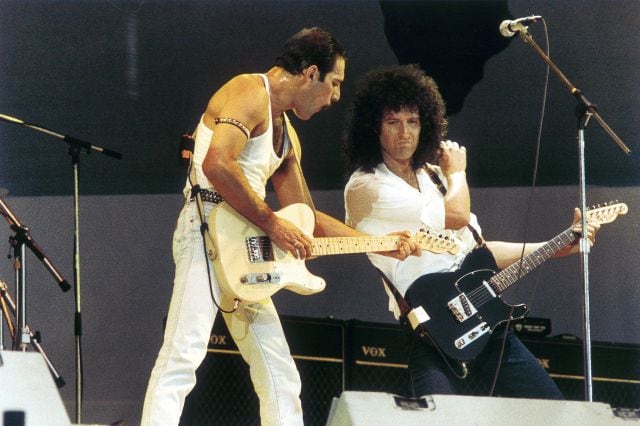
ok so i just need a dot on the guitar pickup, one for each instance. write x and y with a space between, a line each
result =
259 249
472 335
261 278
461 308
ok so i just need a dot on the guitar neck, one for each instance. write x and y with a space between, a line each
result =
346 245
511 274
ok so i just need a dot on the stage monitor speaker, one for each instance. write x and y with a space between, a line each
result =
383 409
26 386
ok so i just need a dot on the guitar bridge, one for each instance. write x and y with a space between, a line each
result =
259 249
461 308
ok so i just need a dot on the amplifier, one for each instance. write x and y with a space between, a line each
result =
377 358
376 361
615 369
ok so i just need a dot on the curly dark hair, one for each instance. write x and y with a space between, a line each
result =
392 89
310 46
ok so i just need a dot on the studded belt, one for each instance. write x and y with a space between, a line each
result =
207 195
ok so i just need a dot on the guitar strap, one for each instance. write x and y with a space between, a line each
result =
405 308
443 190
297 152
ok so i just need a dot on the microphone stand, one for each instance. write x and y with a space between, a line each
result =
7 305
75 147
21 240
584 111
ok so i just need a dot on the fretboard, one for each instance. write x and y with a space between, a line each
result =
511 274
346 245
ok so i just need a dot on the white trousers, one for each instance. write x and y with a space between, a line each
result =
255 329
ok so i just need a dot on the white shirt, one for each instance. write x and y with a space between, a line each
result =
381 202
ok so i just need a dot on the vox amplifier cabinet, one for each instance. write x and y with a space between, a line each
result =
224 395
377 358
377 361
615 369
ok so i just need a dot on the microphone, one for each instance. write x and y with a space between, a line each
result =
508 28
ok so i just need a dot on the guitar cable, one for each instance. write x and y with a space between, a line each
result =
204 228
529 206
463 365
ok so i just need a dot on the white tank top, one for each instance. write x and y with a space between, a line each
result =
258 161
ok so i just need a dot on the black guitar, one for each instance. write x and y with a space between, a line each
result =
459 310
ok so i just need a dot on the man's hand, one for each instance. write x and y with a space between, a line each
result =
453 158
457 201
592 230
289 237
406 247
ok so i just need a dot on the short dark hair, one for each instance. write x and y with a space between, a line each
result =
310 46
392 89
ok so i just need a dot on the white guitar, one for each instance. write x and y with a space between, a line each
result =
250 268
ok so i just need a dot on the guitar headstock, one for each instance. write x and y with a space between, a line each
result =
606 213
436 243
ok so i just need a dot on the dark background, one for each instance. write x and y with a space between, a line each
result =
133 76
